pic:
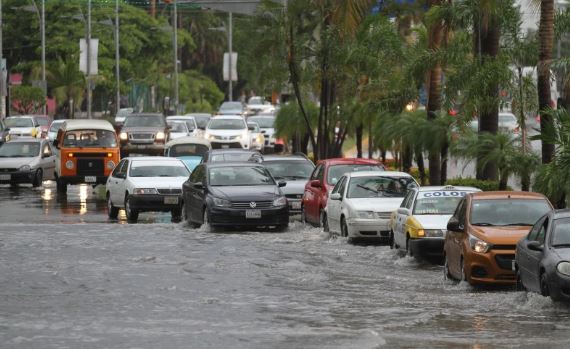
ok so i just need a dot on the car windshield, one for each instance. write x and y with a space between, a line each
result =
336 171
19 122
90 139
145 121
202 120
379 186
239 175
503 212
231 106
178 126
561 233
226 124
55 126
154 169
188 150
42 121
20 150
263 122
437 202
237 156
290 169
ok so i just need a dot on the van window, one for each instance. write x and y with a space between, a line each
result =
90 139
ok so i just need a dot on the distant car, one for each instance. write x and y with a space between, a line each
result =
257 138
44 122
122 115
232 108
23 126
419 225
191 150
4 133
234 195
360 205
508 123
144 134
227 131
482 234
202 119
142 184
54 127
191 124
267 126
233 155
543 257
323 179
295 170
26 160
257 105
178 128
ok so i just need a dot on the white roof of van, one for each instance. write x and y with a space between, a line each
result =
88 124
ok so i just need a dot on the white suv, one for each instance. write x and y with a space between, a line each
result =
228 131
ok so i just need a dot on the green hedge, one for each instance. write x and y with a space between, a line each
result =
472 182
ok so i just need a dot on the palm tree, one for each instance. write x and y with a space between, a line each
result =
546 41
67 83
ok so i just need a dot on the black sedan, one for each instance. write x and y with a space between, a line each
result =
543 257
234 195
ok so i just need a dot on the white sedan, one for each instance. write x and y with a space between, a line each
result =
141 184
361 203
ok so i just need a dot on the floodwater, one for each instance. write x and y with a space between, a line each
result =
69 278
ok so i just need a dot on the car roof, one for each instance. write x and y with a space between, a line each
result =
145 114
557 214
180 117
152 158
232 164
447 187
350 161
187 140
232 117
379 173
495 195
198 114
75 124
234 150
285 158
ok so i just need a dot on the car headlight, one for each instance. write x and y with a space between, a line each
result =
160 135
259 139
221 202
144 191
25 168
431 233
280 201
110 164
124 136
366 214
208 136
479 245
238 138
563 268
69 164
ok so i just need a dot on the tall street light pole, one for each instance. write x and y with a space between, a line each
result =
230 38
117 57
175 44
43 34
88 43
3 82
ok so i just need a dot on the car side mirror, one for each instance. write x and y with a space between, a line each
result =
336 196
263 131
454 225
315 183
7 129
56 143
535 246
404 211
281 184
199 185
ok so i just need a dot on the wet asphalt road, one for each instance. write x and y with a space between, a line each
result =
69 278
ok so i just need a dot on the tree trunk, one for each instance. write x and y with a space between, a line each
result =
421 167
546 41
359 131
503 181
406 158
444 156
525 181
370 140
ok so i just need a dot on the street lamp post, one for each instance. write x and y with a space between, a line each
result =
117 57
88 63
175 44
3 82
230 38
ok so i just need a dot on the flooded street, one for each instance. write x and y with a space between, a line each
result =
69 278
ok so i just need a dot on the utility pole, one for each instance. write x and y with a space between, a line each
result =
176 87
2 77
117 57
230 35
89 92
43 34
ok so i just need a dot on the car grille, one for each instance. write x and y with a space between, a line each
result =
383 215
504 261
91 155
294 196
170 191
90 167
6 170
141 136
248 204
504 247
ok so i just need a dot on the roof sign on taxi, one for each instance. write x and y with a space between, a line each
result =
441 193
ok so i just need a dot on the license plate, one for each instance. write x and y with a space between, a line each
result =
225 146
253 214
296 205
171 200
5 177
90 179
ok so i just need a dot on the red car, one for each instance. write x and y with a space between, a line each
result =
322 181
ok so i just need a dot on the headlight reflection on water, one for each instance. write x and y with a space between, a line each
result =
83 193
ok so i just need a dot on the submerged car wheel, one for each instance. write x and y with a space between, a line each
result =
112 210
544 285
446 273
132 214
38 178
324 222
408 248
391 240
463 275
343 228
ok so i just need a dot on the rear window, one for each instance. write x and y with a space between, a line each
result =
188 150
508 212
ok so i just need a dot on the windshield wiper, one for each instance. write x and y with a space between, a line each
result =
367 188
483 224
515 224
561 245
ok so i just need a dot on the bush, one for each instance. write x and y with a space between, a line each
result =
472 182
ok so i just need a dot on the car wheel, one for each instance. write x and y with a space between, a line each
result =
183 214
544 285
409 248
343 228
391 240
463 275
132 214
519 286
38 178
112 210
206 219
324 221
303 217
446 273
176 214
61 186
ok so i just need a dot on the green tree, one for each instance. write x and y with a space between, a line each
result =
27 99
68 85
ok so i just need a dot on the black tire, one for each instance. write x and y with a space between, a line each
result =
323 221
544 285
61 186
38 178
132 214
112 210
409 248
343 228
446 273
303 216
176 214
391 240
183 213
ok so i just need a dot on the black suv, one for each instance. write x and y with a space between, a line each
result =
144 134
